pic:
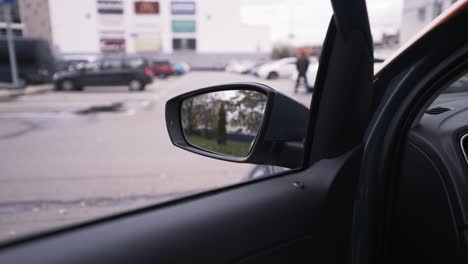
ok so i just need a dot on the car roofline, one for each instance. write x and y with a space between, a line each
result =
453 11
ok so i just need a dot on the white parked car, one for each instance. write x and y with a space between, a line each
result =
185 66
283 68
240 66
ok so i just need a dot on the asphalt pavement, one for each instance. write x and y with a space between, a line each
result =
71 156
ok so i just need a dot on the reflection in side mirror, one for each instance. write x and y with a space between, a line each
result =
224 122
239 122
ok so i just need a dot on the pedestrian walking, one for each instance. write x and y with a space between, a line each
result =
302 64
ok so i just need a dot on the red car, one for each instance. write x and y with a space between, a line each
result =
162 68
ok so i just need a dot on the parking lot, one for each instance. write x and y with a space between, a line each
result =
70 156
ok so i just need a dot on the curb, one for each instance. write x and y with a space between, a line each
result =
6 95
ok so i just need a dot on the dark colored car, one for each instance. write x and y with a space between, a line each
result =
116 70
34 60
64 64
373 179
163 68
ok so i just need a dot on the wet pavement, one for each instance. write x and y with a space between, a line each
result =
73 156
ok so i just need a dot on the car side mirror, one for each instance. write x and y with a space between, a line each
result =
244 122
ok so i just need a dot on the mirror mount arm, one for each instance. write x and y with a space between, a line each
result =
282 154
284 133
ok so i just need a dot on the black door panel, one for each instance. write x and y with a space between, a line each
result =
296 217
424 226
91 77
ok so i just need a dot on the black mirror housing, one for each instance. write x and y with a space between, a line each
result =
279 141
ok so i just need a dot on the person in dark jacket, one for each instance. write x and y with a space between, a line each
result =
302 64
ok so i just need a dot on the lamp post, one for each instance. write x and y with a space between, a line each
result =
11 44
291 23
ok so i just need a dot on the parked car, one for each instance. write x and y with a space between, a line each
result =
185 65
115 70
254 69
243 66
179 68
282 68
64 64
162 68
33 57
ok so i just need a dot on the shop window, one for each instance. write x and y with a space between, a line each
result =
184 44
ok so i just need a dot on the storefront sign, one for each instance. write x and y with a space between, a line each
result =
110 7
110 45
147 44
111 21
183 26
183 7
146 8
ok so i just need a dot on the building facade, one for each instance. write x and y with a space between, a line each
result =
134 26
418 13
17 25
35 17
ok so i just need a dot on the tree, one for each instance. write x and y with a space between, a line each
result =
187 116
221 135
197 114
281 51
247 110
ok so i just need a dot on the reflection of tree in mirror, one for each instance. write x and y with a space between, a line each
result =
187 116
197 114
224 122
221 135
247 110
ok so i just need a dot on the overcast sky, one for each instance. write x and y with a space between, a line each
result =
308 19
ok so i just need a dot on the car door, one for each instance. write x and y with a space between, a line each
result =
300 216
113 72
287 69
411 205
91 74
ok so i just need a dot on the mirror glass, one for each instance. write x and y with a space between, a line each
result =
223 122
